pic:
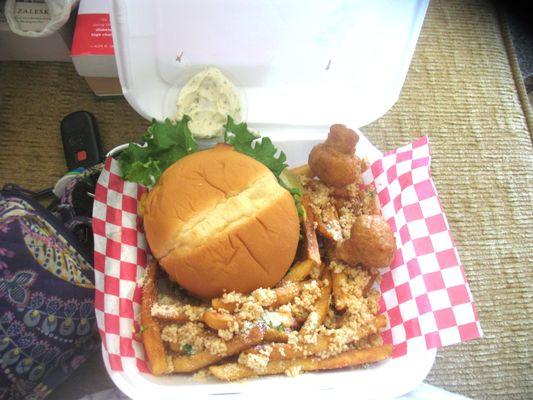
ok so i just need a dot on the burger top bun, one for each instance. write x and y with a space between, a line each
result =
218 221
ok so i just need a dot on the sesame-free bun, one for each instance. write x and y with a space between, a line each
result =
218 221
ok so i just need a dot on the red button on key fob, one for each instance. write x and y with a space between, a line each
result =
81 155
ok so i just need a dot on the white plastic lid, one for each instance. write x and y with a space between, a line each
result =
299 62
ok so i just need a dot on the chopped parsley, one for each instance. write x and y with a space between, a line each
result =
187 349
268 322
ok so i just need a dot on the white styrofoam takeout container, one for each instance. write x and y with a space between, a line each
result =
383 380
302 66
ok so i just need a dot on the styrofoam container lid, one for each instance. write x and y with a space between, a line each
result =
299 62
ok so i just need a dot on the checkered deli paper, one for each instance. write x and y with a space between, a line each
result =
424 292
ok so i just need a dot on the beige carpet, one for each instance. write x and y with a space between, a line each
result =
462 90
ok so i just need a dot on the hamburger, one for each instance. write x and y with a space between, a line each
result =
218 221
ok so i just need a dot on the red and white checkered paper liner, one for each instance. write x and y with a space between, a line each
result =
424 293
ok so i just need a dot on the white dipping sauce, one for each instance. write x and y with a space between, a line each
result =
208 98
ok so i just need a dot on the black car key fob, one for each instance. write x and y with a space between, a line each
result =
81 142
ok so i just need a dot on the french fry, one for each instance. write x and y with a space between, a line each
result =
339 281
211 318
373 340
303 170
322 304
320 308
328 224
273 335
284 294
355 357
373 276
317 271
231 372
343 193
169 313
219 304
178 347
284 351
365 164
312 251
280 319
151 334
175 347
374 206
217 320
299 271
236 345
171 317
351 358
380 322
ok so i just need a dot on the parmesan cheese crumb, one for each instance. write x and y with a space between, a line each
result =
337 266
170 365
293 371
201 375
192 334
257 362
308 331
285 309
143 279
292 338
265 297
174 311
266 350
232 297
349 202
216 346
170 333
226 334
250 311
303 303
346 220
319 194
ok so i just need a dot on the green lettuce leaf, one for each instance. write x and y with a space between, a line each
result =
242 139
245 141
164 143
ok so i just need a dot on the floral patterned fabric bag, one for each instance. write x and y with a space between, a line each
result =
47 322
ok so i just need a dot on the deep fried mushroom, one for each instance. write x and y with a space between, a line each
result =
342 139
334 161
371 243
